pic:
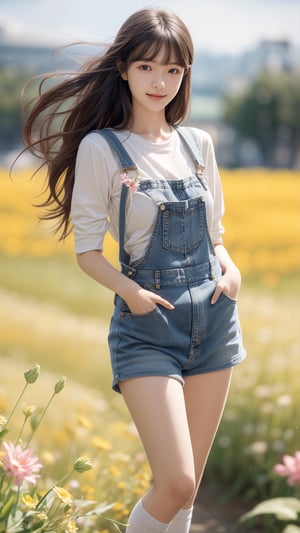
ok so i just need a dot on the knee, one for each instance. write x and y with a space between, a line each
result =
181 488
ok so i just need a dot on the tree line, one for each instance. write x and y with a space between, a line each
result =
266 113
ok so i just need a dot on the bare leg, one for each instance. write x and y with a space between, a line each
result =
157 406
205 398
177 427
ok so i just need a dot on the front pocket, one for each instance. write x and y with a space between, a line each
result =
232 300
183 224
125 311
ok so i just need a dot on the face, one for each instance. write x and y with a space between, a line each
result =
152 84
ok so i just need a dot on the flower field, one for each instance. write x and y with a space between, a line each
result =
261 221
51 313
111 474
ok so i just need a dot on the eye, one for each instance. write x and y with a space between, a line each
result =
144 67
175 70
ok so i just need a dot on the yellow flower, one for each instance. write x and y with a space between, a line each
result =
37 520
41 516
84 422
101 444
137 491
114 471
47 457
118 506
88 491
120 456
63 495
28 502
71 527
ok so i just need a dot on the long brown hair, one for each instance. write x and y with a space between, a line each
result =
97 97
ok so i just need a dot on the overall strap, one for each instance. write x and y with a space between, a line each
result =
192 143
115 143
127 165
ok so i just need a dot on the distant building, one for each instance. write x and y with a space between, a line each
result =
34 59
276 56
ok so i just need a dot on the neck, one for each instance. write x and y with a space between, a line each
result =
154 128
153 134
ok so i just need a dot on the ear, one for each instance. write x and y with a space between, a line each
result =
122 71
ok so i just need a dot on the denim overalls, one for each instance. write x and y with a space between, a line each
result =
179 264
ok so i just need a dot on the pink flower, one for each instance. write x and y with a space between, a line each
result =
290 468
132 183
21 465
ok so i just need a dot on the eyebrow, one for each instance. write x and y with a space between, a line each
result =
154 61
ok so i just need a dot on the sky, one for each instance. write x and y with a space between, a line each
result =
229 26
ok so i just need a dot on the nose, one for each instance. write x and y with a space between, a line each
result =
158 83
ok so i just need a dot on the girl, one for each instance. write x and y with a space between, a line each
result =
120 162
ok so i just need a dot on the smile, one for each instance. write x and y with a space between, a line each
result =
156 96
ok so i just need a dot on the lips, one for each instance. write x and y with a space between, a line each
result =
156 96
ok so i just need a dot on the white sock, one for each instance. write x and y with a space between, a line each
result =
181 522
140 521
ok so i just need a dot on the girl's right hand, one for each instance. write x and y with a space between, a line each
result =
143 301
139 300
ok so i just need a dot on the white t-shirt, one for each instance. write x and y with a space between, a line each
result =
96 194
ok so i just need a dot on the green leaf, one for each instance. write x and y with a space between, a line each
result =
8 506
89 508
282 508
3 433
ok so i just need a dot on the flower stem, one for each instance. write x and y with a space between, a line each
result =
21 431
41 418
60 482
17 402
14 510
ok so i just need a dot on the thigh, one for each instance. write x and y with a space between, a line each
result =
205 398
157 406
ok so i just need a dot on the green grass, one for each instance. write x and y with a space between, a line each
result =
34 331
55 279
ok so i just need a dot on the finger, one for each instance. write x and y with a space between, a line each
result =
165 303
216 294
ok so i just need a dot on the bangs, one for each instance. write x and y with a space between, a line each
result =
148 49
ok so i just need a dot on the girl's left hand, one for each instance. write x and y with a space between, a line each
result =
229 284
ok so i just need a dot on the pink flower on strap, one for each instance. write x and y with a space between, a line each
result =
132 183
20 465
290 468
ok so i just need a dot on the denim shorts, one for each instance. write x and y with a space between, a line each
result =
194 338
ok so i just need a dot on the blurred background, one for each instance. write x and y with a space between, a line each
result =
246 93
245 78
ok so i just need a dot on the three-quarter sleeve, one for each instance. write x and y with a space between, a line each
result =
91 196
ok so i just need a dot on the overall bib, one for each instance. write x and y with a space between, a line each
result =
180 265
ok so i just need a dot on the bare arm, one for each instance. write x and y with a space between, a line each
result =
230 282
138 299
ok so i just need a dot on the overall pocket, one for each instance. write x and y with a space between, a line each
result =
183 224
